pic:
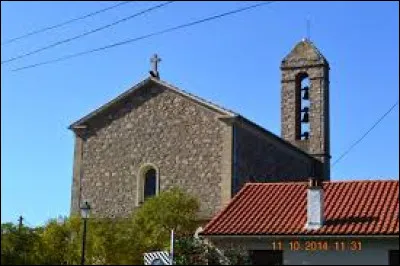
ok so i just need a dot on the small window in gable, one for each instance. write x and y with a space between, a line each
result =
147 185
150 183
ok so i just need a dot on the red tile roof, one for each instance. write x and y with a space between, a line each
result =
351 208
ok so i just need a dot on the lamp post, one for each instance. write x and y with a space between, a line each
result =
85 209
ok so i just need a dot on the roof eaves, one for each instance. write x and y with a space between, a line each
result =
108 104
198 99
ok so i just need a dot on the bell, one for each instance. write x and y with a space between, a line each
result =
305 117
306 96
305 135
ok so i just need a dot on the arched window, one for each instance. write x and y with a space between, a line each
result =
147 183
150 183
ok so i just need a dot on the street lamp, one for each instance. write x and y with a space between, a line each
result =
85 209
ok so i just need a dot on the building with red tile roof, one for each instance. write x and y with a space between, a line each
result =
359 222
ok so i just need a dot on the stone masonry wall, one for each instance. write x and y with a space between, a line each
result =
306 59
318 142
157 126
259 159
317 115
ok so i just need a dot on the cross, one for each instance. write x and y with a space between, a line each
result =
154 61
308 28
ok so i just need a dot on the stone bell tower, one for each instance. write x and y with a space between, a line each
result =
305 102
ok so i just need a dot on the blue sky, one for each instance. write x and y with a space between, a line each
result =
233 62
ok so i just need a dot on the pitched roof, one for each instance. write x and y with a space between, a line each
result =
351 208
146 82
304 52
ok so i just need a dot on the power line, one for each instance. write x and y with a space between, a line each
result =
365 134
86 33
64 23
144 36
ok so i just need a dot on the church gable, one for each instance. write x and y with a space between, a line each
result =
126 106
137 95
153 125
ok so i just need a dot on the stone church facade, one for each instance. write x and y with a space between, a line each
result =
188 142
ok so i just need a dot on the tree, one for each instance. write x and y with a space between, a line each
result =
118 240
236 255
19 245
60 242
192 251
154 220
108 241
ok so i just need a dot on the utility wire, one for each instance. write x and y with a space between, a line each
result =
144 36
365 134
64 23
86 33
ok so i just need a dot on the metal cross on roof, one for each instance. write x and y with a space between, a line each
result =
154 62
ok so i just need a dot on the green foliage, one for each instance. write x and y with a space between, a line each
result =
119 241
108 242
60 242
237 255
19 245
172 209
191 251
154 220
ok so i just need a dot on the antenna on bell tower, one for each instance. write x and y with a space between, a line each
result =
308 30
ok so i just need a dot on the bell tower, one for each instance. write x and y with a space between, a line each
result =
305 102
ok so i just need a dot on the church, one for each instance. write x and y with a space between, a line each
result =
156 136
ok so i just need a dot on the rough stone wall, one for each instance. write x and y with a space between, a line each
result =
305 58
157 126
76 182
258 158
318 142
317 115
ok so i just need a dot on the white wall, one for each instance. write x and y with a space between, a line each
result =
373 251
